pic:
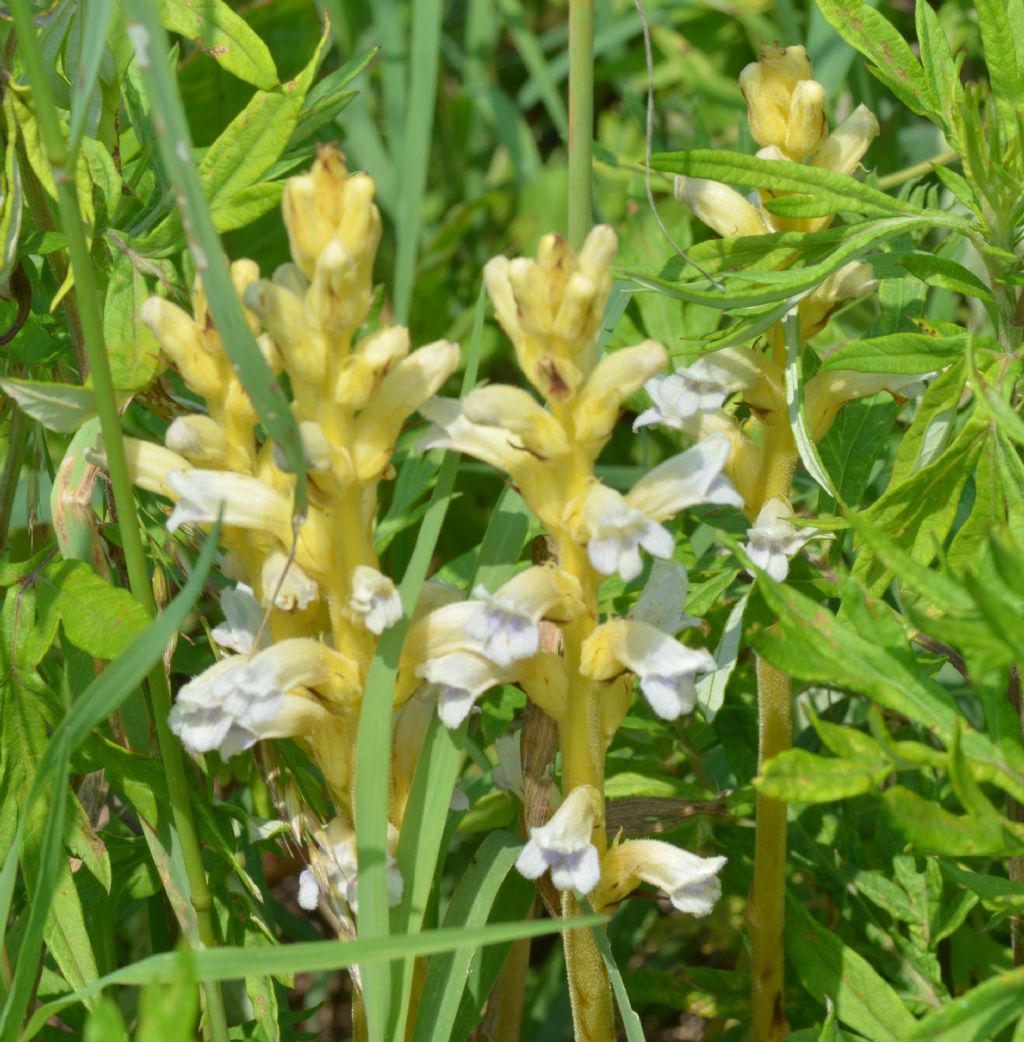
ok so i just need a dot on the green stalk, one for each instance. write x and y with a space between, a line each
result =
17 443
581 119
86 292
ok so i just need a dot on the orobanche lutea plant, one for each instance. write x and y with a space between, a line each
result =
302 619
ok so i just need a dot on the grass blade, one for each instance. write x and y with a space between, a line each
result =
153 58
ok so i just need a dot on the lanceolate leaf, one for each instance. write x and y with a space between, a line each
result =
876 38
897 353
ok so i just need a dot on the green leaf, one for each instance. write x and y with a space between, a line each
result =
469 908
217 31
997 894
946 274
897 353
132 349
876 38
373 740
326 99
930 829
105 1023
101 698
168 1010
711 687
10 194
835 192
99 618
933 425
854 443
921 509
810 643
940 71
827 967
95 27
58 407
1005 77
978 1016
798 776
233 963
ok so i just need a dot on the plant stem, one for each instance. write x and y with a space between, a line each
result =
582 745
899 177
766 904
87 297
17 443
581 119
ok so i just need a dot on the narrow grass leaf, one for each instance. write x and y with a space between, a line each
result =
151 53
373 742
414 158
94 705
225 963
95 26
469 909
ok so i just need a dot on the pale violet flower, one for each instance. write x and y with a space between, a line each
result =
614 533
663 598
774 539
243 618
334 869
686 480
374 599
461 678
239 700
677 397
564 845
504 633
691 882
459 801
666 668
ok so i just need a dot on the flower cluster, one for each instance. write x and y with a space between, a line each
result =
301 624
786 116
551 309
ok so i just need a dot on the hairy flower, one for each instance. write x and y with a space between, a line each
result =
239 700
774 539
564 845
334 869
691 882
374 599
243 617
666 668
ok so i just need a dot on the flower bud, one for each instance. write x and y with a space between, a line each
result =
284 314
180 339
806 128
768 85
845 146
200 438
720 207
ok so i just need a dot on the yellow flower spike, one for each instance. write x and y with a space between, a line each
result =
516 411
200 438
373 357
149 465
179 338
845 146
401 392
615 377
335 300
243 274
721 208
284 314
807 128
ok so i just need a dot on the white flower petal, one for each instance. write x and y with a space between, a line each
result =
374 599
